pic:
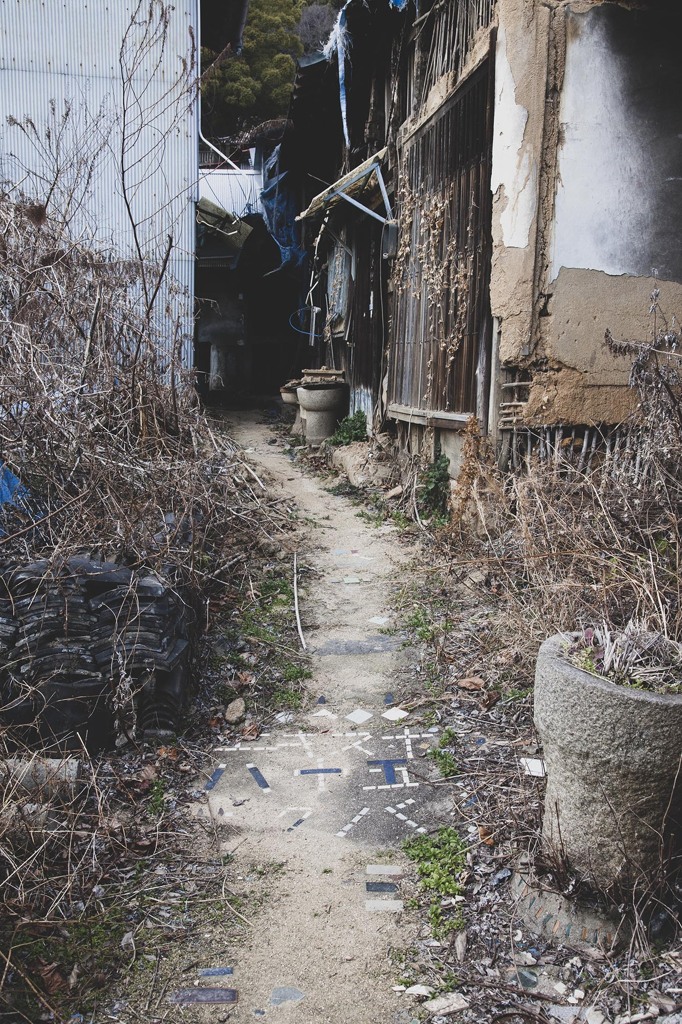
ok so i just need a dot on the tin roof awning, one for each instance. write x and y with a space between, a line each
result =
354 186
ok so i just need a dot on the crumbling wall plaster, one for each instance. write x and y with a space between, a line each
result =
562 395
584 304
518 127
617 209
600 124
580 380
514 166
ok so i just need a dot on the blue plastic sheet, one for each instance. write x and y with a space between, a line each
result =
12 491
280 207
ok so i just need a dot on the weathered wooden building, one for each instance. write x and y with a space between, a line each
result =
508 189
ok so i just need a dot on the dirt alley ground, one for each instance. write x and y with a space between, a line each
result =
307 794
311 814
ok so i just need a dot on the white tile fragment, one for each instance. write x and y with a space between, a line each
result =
533 766
394 714
359 716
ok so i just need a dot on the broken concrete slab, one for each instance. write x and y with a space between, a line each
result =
360 466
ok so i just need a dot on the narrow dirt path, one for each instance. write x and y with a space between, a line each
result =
331 795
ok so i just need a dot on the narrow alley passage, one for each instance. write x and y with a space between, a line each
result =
332 793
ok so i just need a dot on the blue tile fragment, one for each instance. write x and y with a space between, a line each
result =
320 771
389 698
381 887
321 700
286 995
213 779
259 777
389 767
214 972
295 824
203 995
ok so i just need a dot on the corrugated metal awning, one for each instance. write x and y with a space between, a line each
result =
358 183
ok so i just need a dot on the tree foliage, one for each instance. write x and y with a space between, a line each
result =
245 90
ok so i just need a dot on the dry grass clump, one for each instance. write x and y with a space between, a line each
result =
572 543
99 421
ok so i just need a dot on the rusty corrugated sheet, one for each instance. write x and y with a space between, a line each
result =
58 55
358 343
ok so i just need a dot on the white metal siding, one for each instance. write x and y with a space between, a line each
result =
66 52
238 192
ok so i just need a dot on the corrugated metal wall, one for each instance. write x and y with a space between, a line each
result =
238 192
81 122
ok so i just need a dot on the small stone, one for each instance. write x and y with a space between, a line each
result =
453 1002
235 711
419 990
665 1003
593 1016
565 1014
286 995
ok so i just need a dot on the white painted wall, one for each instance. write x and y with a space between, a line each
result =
603 213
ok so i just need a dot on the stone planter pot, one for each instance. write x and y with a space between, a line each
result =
321 409
613 806
289 396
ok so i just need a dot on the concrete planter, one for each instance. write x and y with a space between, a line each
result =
321 409
613 806
289 396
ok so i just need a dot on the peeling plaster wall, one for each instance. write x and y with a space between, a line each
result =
587 182
520 76
514 169
618 209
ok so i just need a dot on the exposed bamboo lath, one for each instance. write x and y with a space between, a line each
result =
454 28
441 318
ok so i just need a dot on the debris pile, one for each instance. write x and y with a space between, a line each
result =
88 648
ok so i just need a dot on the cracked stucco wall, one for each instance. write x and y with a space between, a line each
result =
587 185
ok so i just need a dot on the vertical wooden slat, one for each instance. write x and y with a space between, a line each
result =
441 296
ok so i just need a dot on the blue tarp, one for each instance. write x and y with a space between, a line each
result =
12 491
280 207
14 494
